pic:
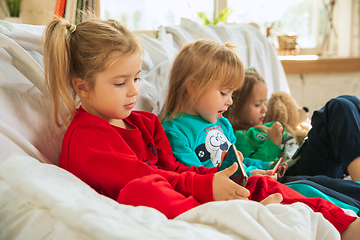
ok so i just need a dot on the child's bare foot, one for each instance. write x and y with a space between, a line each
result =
352 232
354 169
273 198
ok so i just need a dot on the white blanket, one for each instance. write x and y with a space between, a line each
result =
43 201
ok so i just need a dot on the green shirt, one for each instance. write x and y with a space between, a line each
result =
254 143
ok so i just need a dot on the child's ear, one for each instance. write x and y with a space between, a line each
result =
81 87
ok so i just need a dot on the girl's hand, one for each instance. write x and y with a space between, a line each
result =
282 169
275 133
259 172
271 163
241 156
226 189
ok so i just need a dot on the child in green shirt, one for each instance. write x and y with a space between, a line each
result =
253 138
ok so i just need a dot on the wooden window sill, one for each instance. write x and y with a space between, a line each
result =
321 65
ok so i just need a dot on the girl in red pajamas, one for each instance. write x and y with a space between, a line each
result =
125 154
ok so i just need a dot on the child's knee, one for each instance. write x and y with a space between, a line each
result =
345 103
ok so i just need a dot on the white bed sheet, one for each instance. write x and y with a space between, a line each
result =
25 121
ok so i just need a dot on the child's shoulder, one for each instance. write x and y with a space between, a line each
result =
170 124
84 118
143 115
184 119
84 123
224 120
195 122
143 118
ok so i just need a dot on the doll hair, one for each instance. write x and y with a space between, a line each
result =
80 52
239 111
198 65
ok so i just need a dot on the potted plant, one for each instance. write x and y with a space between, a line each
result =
224 14
11 8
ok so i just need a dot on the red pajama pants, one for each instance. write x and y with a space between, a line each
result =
156 192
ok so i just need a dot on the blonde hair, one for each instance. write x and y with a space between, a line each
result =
80 52
198 65
238 112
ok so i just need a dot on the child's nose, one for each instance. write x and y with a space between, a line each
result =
230 101
134 89
264 109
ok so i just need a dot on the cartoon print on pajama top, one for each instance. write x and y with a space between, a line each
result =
215 144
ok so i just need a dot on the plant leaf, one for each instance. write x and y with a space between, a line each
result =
224 14
13 7
204 17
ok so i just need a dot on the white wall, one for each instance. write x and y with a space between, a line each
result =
38 12
314 90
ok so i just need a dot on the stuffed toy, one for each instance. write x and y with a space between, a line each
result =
282 107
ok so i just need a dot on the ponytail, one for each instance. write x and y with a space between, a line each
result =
57 58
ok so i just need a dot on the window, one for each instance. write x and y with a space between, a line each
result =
305 18
150 14
308 19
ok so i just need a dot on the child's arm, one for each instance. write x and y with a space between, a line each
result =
254 144
100 157
169 160
183 152
252 164
268 152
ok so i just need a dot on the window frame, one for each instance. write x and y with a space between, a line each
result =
342 22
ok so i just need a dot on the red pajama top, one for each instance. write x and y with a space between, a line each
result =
108 157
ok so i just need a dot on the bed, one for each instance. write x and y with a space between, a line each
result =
39 200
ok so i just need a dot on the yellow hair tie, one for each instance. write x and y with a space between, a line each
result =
72 28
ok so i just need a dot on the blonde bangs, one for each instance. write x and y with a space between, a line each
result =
231 75
224 71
